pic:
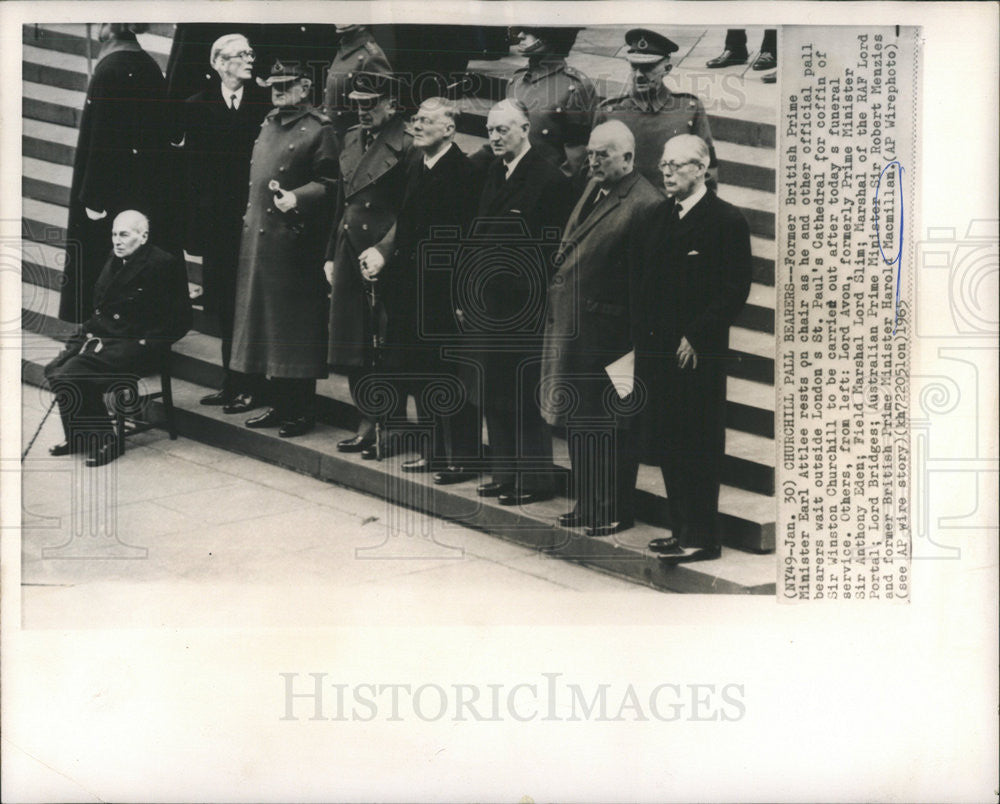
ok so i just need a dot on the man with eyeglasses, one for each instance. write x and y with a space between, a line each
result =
690 279
587 330
652 111
220 125
372 183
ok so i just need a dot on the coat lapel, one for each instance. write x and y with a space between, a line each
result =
693 219
576 230
508 187
380 158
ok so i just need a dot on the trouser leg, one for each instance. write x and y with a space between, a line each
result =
769 44
736 40
294 397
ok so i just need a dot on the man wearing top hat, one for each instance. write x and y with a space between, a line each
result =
357 52
650 110
560 99
280 328
372 184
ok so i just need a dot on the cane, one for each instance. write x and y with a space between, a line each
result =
371 294
40 426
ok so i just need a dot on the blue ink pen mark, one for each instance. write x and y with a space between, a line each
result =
898 260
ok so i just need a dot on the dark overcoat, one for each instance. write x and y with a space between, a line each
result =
141 306
588 326
655 119
438 206
217 146
118 165
357 52
281 305
691 280
372 184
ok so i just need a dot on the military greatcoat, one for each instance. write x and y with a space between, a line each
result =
358 52
560 102
653 121
281 305
371 192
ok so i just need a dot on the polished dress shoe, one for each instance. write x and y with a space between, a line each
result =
765 61
770 78
269 418
418 465
492 489
571 519
690 554
355 443
105 454
388 450
216 399
65 448
726 58
515 497
296 427
453 474
241 403
608 528
666 545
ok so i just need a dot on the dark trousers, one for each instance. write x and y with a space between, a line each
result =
377 396
603 472
219 278
688 415
455 423
736 41
293 397
520 441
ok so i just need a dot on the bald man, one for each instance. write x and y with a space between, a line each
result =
523 208
690 280
587 329
141 306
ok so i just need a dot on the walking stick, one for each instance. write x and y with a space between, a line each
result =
371 294
40 426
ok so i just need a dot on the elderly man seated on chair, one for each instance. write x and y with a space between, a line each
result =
141 306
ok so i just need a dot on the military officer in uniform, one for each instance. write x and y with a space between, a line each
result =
653 112
280 327
560 99
357 52
372 184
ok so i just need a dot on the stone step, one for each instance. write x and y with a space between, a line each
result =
750 466
623 555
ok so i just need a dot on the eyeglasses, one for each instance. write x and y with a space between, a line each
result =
245 55
673 167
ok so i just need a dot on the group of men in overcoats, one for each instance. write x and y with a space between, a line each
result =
531 303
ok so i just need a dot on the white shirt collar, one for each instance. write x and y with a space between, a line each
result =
511 166
690 201
430 162
228 93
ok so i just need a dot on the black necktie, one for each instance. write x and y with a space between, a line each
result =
675 214
369 139
589 204
232 102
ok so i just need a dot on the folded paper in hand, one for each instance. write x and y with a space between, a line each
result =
622 373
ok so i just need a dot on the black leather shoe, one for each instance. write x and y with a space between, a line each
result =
453 474
241 403
726 58
296 427
492 489
418 465
105 454
216 399
765 61
770 78
571 519
269 418
65 448
608 528
666 545
355 443
691 554
514 497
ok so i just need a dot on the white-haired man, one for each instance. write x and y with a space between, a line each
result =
587 330
141 306
220 126
690 280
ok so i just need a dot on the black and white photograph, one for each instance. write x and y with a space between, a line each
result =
497 401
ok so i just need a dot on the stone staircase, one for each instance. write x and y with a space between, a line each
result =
55 74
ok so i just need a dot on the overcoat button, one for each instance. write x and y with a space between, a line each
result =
346 226
116 316
291 147
558 108
262 231
281 169
545 131
364 226
269 210
368 204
